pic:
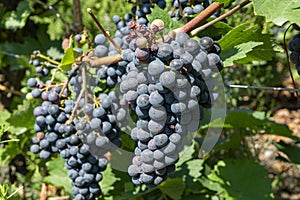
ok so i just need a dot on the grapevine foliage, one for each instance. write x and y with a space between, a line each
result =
142 91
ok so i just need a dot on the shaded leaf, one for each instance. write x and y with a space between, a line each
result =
241 180
230 143
291 150
278 12
8 153
247 119
219 28
173 188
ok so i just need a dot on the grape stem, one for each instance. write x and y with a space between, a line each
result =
105 60
47 59
75 106
235 9
84 83
288 61
12 91
118 48
65 86
53 76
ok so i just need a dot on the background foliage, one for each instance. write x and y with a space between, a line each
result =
252 51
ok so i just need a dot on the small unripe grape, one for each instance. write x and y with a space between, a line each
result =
157 25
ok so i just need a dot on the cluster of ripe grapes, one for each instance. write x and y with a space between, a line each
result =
82 130
167 87
187 8
294 47
162 82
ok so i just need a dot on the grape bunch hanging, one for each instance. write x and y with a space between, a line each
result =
294 47
160 82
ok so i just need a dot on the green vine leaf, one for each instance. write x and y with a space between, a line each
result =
278 12
107 184
226 2
239 52
58 174
54 53
68 58
186 154
240 180
254 121
245 45
17 19
195 166
158 13
21 119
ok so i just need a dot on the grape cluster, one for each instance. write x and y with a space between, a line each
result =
82 127
167 86
139 12
294 47
49 119
186 8
112 73
163 83
40 68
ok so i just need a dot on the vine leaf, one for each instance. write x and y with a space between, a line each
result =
195 166
58 175
291 150
21 119
173 187
243 186
17 19
186 154
244 45
54 53
278 12
219 28
68 58
107 184
158 13
254 121
226 2
239 52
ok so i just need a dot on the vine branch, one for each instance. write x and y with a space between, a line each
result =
89 10
232 11
97 62
205 14
105 60
78 26
12 91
